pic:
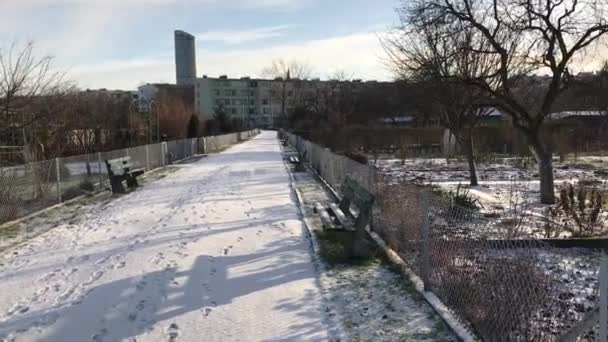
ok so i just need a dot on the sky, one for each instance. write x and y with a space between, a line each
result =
120 44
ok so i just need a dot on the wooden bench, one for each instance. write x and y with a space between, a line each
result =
340 218
119 170
295 160
341 215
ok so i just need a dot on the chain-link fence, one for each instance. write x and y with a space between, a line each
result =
502 289
34 186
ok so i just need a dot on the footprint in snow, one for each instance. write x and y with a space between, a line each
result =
102 260
173 332
18 308
98 336
141 305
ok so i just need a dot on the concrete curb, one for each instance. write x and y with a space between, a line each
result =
441 309
335 326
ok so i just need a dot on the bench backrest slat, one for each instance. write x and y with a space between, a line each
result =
354 194
119 166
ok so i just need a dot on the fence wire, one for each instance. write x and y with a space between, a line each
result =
34 186
502 289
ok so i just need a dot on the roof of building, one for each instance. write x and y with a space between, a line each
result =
570 114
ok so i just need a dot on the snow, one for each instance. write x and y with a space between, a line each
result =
215 249
573 273
372 301
500 180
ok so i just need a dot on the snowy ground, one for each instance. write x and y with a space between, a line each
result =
214 252
573 273
504 183
371 301
71 213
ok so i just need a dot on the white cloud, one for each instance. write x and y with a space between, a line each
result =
234 37
232 4
357 54
126 75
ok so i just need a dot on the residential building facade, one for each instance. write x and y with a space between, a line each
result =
262 102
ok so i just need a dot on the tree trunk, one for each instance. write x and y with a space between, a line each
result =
545 170
544 158
470 151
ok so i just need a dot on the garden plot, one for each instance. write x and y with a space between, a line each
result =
508 191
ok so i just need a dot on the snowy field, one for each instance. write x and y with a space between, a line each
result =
502 185
509 191
214 250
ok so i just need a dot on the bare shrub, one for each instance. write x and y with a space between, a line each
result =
579 210
512 224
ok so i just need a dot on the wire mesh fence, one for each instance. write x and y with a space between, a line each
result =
30 187
500 288
218 143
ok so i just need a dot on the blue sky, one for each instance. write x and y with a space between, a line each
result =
123 43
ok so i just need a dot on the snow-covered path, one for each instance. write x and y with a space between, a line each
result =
213 252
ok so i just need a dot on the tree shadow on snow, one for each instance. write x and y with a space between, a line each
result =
132 306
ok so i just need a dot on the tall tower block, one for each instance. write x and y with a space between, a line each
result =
185 58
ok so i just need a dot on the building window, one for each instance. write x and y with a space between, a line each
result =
251 110
216 92
233 93
265 102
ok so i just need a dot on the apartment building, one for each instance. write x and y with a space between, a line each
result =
261 102
254 101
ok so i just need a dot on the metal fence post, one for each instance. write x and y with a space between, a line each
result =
603 331
147 158
57 170
99 169
425 268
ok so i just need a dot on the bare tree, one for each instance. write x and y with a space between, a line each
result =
521 38
281 68
174 115
436 59
290 77
29 93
